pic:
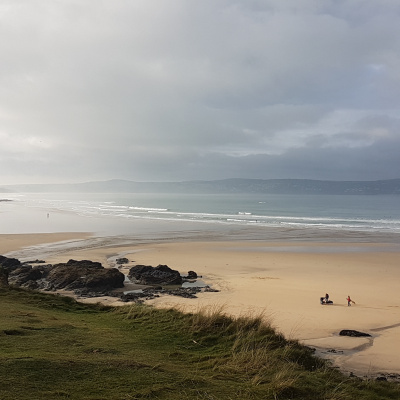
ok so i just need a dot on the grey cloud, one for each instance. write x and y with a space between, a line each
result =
198 90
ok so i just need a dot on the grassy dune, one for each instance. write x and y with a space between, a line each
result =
55 348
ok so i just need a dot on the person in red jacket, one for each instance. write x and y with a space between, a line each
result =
349 301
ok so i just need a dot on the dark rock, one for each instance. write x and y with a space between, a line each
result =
34 262
32 285
152 292
84 274
9 263
64 274
188 293
83 264
13 332
136 296
104 279
3 277
191 275
353 333
387 377
122 260
23 274
160 275
137 271
334 351
208 289
96 292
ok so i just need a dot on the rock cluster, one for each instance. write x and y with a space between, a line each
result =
90 279
154 292
74 275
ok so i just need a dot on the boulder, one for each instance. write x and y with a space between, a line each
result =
73 275
9 263
160 275
122 260
82 264
84 274
105 279
353 333
191 275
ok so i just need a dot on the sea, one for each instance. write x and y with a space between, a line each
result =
133 213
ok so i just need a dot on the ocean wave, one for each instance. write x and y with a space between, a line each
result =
188 208
147 209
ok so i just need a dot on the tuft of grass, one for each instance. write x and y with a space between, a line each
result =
210 319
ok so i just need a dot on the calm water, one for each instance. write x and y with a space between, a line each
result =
343 213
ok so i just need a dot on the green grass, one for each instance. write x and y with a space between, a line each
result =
55 348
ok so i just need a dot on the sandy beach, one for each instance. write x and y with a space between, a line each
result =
282 280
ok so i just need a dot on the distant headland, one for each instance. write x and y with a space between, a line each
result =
234 185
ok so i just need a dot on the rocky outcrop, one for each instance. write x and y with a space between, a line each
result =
9 264
153 292
27 276
90 279
84 274
160 275
353 333
74 275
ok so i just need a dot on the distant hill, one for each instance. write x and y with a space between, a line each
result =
270 186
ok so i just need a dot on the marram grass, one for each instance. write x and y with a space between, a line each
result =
53 347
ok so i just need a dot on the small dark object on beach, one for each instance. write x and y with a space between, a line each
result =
34 262
122 260
353 333
334 351
191 275
209 289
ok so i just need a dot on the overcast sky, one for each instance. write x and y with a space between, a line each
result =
156 90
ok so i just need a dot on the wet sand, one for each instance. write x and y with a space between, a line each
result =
13 242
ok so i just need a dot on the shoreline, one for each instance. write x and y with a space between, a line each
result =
16 241
283 279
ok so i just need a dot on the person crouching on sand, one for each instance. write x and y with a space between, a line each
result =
349 301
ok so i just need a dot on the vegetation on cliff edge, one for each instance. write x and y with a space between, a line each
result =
53 347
